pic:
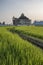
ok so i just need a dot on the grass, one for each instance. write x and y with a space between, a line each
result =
33 31
16 51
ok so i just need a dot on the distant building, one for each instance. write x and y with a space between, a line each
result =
38 23
22 20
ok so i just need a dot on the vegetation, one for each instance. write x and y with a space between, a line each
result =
16 51
33 31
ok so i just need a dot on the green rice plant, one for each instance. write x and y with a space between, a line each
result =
16 51
33 31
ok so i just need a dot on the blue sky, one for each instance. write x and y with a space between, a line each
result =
31 8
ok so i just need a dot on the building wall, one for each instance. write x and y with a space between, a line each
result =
21 22
24 22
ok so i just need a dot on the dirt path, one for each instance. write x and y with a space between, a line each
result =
33 40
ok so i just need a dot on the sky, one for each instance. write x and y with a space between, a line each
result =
33 9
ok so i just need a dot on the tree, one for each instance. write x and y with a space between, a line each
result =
3 23
0 23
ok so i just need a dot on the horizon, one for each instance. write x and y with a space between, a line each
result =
31 8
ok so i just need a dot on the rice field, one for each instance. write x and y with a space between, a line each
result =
16 51
33 31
